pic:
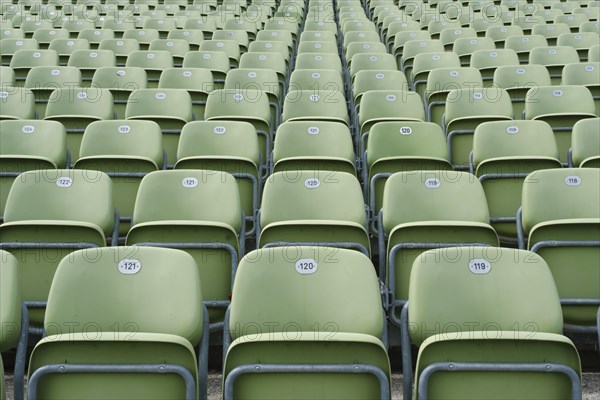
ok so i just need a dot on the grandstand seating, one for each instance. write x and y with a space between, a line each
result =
224 126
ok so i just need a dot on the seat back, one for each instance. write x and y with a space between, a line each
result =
93 291
585 143
302 273
10 303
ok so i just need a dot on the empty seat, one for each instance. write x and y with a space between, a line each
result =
586 74
554 59
504 153
193 36
10 45
23 60
464 47
227 146
319 61
76 108
113 337
215 61
465 110
211 230
10 306
322 105
311 353
7 76
414 47
229 47
424 63
249 105
88 61
487 61
121 47
499 34
121 81
313 145
45 36
143 36
43 80
153 61
500 338
16 103
585 144
400 146
424 210
524 44
65 47
561 107
265 80
517 80
372 61
304 207
197 81
551 31
170 108
126 151
559 221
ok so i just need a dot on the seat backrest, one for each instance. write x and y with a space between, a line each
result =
192 79
214 139
44 140
433 196
62 195
585 142
87 102
518 139
28 58
489 102
559 100
376 105
522 76
16 103
587 73
311 79
10 302
122 139
150 59
317 105
175 104
92 59
120 78
312 195
314 286
482 274
188 195
43 77
98 288
560 194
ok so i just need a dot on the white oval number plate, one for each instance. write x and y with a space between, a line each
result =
573 180
312 183
306 266
64 182
129 266
480 266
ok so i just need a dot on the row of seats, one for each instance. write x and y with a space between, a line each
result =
308 343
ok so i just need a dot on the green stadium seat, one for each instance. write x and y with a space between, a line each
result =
16 103
197 81
585 144
43 80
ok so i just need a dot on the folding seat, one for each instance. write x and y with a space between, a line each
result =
43 80
204 24
356 346
551 31
153 61
23 60
45 36
65 47
487 61
177 47
517 80
170 108
435 27
580 41
211 231
561 107
465 110
96 36
313 145
229 47
573 20
270 46
265 80
12 33
440 82
76 108
162 25
313 207
387 105
402 26
400 146
29 26
10 306
243 25
592 14
371 61
7 76
126 151
278 36
567 6
414 47
122 48
227 146
527 22
524 44
585 144
483 341
74 26
197 81
313 79
11 45
88 61
559 221
121 81
143 36
321 105
16 103
548 14
153 353
320 61
193 36
554 59
240 37
317 35
585 74
215 61
424 63
449 35
400 40
360 36
377 80
504 153
594 53
249 105
438 209
48 214
464 47
362 48
118 26
590 26
313 25
499 34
